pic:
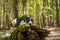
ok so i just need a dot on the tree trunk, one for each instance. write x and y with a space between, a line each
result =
37 15
57 13
24 6
43 14
15 10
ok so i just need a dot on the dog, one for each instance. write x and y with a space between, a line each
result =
27 19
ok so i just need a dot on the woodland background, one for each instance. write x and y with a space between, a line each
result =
46 13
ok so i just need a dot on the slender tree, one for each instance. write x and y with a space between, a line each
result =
52 5
57 13
15 8
44 23
37 14
24 6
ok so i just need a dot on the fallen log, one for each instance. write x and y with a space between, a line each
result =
28 33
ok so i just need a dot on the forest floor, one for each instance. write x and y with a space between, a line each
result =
53 35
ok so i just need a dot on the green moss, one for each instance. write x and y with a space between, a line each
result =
16 34
7 38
